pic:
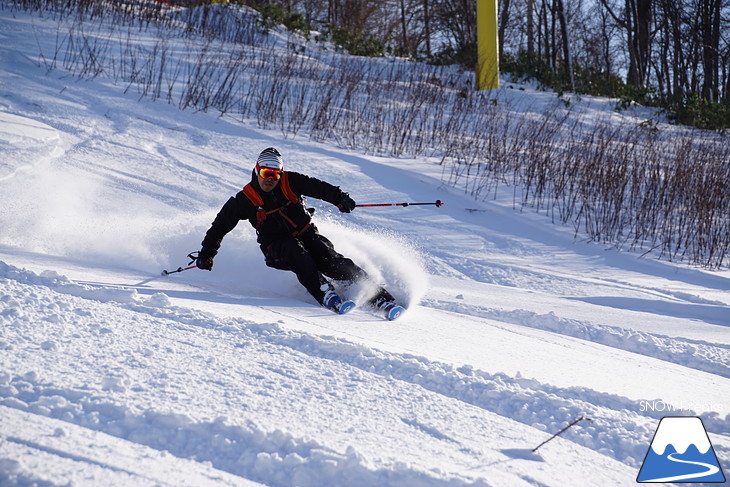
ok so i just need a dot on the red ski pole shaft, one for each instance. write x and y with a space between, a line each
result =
179 269
438 203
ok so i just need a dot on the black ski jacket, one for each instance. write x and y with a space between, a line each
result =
275 227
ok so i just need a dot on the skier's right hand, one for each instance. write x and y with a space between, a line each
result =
204 260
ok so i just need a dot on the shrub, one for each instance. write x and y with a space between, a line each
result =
700 113
357 44
274 14
465 56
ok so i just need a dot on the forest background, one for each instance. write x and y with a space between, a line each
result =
672 54
662 189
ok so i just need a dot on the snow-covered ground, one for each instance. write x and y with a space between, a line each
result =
111 374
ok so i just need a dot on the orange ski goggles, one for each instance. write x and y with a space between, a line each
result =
270 173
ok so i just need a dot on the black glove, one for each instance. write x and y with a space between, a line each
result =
205 260
346 204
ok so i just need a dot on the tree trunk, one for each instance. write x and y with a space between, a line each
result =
643 19
636 21
503 22
404 27
427 27
710 28
530 31
332 14
567 60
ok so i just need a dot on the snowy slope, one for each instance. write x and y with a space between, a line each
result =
113 375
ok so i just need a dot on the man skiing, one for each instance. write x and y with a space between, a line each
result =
272 203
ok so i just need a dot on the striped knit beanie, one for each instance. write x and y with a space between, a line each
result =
271 158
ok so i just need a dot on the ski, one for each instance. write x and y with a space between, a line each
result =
389 310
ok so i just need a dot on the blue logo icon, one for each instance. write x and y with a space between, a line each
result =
681 452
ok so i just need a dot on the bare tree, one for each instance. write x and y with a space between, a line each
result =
710 32
635 19
567 60
456 20
427 27
530 30
504 6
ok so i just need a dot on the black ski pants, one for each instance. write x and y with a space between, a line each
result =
312 256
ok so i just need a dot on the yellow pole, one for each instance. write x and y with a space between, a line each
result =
487 45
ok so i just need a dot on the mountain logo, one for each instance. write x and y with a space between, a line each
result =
680 452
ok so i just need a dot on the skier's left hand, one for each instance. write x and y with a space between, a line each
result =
346 204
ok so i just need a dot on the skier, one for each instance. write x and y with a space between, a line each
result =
272 203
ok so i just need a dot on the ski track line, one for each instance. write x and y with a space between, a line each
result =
617 430
67 455
695 354
271 457
276 458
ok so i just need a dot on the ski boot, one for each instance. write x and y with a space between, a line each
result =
333 301
391 309
385 302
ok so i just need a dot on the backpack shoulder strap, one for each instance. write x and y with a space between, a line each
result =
257 201
253 195
286 189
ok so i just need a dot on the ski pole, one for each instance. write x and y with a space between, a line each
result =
438 203
181 269
576 421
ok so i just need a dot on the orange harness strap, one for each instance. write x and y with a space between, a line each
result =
286 189
261 213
